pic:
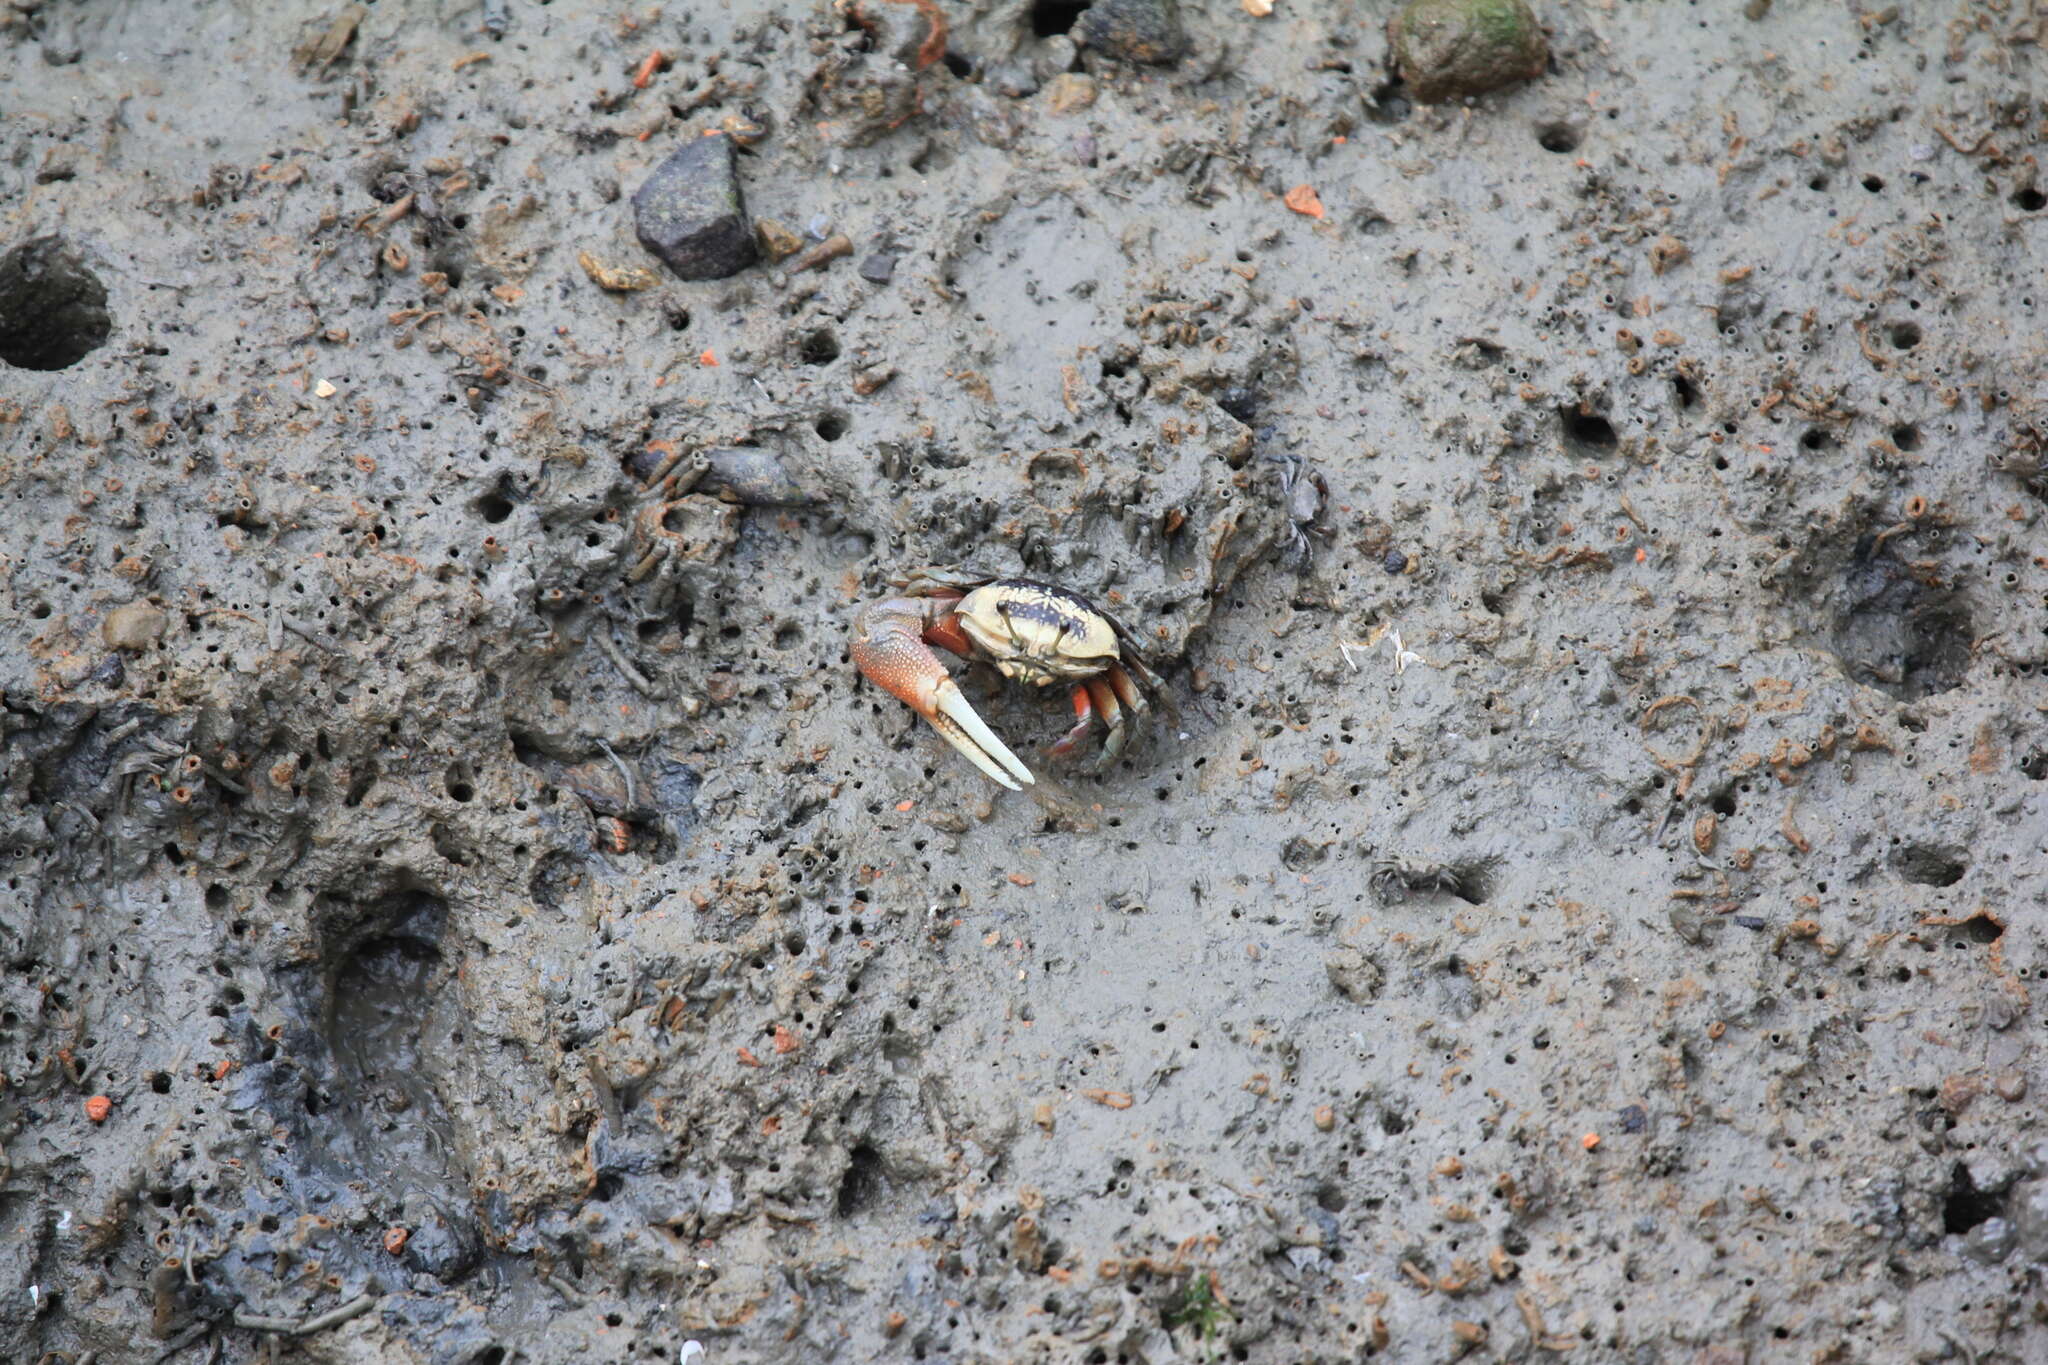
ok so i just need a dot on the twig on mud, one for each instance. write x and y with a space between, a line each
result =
618 661
319 1322
620 764
306 633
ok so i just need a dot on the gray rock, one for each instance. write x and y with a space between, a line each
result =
1447 49
1148 31
691 213
878 268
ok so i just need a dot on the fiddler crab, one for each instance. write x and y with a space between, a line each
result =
1032 632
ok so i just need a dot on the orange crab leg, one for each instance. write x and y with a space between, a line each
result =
889 647
1084 712
947 634
1127 690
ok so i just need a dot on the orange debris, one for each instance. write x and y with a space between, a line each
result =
1304 200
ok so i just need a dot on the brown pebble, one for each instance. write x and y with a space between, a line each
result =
1471 1333
134 627
1326 1118
776 240
893 1324
1070 91
2011 1086
873 378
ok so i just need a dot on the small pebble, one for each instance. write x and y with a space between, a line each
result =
777 241
1634 1118
691 213
1448 49
879 268
1750 921
1148 31
134 627
1395 562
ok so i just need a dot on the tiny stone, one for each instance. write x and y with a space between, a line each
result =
1069 92
2011 1086
1136 30
1326 1118
691 213
777 241
1448 49
1750 921
134 627
878 268
1395 562
1055 54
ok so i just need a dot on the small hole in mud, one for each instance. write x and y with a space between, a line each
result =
494 507
1905 335
861 1183
2029 199
1687 392
1815 439
819 347
1873 183
678 319
832 425
1557 136
53 309
1926 865
960 66
1906 437
1049 17
1818 184
1586 433
1966 1205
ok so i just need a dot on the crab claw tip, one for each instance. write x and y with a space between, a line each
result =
970 734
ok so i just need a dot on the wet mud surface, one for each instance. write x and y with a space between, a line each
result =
458 903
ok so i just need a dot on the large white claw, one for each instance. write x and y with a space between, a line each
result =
967 732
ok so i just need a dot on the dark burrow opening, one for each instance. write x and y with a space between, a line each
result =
862 1181
1586 434
1926 865
1055 16
1966 1206
53 309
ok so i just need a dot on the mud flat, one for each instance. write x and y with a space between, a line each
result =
458 903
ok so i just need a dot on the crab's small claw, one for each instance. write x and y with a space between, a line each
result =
889 647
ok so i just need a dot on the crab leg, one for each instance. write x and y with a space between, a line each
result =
1084 717
1112 719
889 647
